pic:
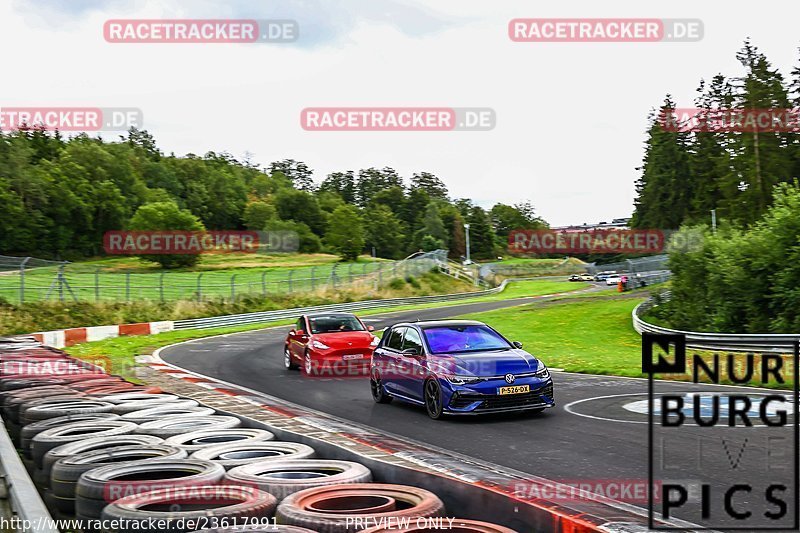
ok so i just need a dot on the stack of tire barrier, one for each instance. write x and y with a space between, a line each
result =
107 451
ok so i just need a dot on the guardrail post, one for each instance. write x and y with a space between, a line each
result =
97 285
161 287
233 286
60 283
264 283
22 280
200 287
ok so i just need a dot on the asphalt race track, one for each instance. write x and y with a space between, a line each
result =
601 438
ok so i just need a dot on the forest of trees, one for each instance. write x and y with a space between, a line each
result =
59 196
687 174
743 277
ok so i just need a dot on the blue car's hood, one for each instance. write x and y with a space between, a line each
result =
486 364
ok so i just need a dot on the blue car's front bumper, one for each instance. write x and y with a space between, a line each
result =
484 397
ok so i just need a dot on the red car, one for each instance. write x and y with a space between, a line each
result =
330 344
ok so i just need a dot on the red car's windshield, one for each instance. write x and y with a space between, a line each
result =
335 323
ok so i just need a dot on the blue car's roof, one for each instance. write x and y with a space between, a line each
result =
441 323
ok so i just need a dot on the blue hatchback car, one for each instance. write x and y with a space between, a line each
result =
458 367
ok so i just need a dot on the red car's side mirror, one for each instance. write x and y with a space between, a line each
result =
300 332
370 328
292 332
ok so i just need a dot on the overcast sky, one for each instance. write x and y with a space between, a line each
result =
571 117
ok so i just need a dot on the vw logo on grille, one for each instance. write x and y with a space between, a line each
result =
510 378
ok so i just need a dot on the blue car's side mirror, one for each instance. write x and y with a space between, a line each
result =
517 344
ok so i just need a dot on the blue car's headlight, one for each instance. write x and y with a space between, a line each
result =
461 380
542 372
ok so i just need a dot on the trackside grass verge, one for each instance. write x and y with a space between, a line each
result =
588 336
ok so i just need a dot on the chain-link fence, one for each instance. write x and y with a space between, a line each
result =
31 280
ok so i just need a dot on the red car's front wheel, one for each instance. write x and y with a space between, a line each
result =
287 360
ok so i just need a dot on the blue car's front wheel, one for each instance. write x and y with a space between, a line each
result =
433 399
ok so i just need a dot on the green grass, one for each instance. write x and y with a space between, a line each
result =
254 274
589 336
521 289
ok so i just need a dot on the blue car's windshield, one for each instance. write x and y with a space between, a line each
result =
460 339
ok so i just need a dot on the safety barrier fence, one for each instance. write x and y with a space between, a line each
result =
734 342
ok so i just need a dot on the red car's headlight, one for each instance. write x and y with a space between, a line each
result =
319 345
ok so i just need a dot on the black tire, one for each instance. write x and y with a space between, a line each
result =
434 405
238 454
238 504
165 411
125 397
197 440
66 471
61 399
16 384
153 403
170 427
282 478
13 403
27 433
88 445
304 508
377 390
288 363
78 406
54 437
100 486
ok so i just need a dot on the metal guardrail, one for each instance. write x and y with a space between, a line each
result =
265 316
21 492
745 342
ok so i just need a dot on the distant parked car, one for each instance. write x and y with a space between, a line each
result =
575 277
586 277
602 276
613 279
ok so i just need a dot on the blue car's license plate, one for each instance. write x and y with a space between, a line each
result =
514 389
